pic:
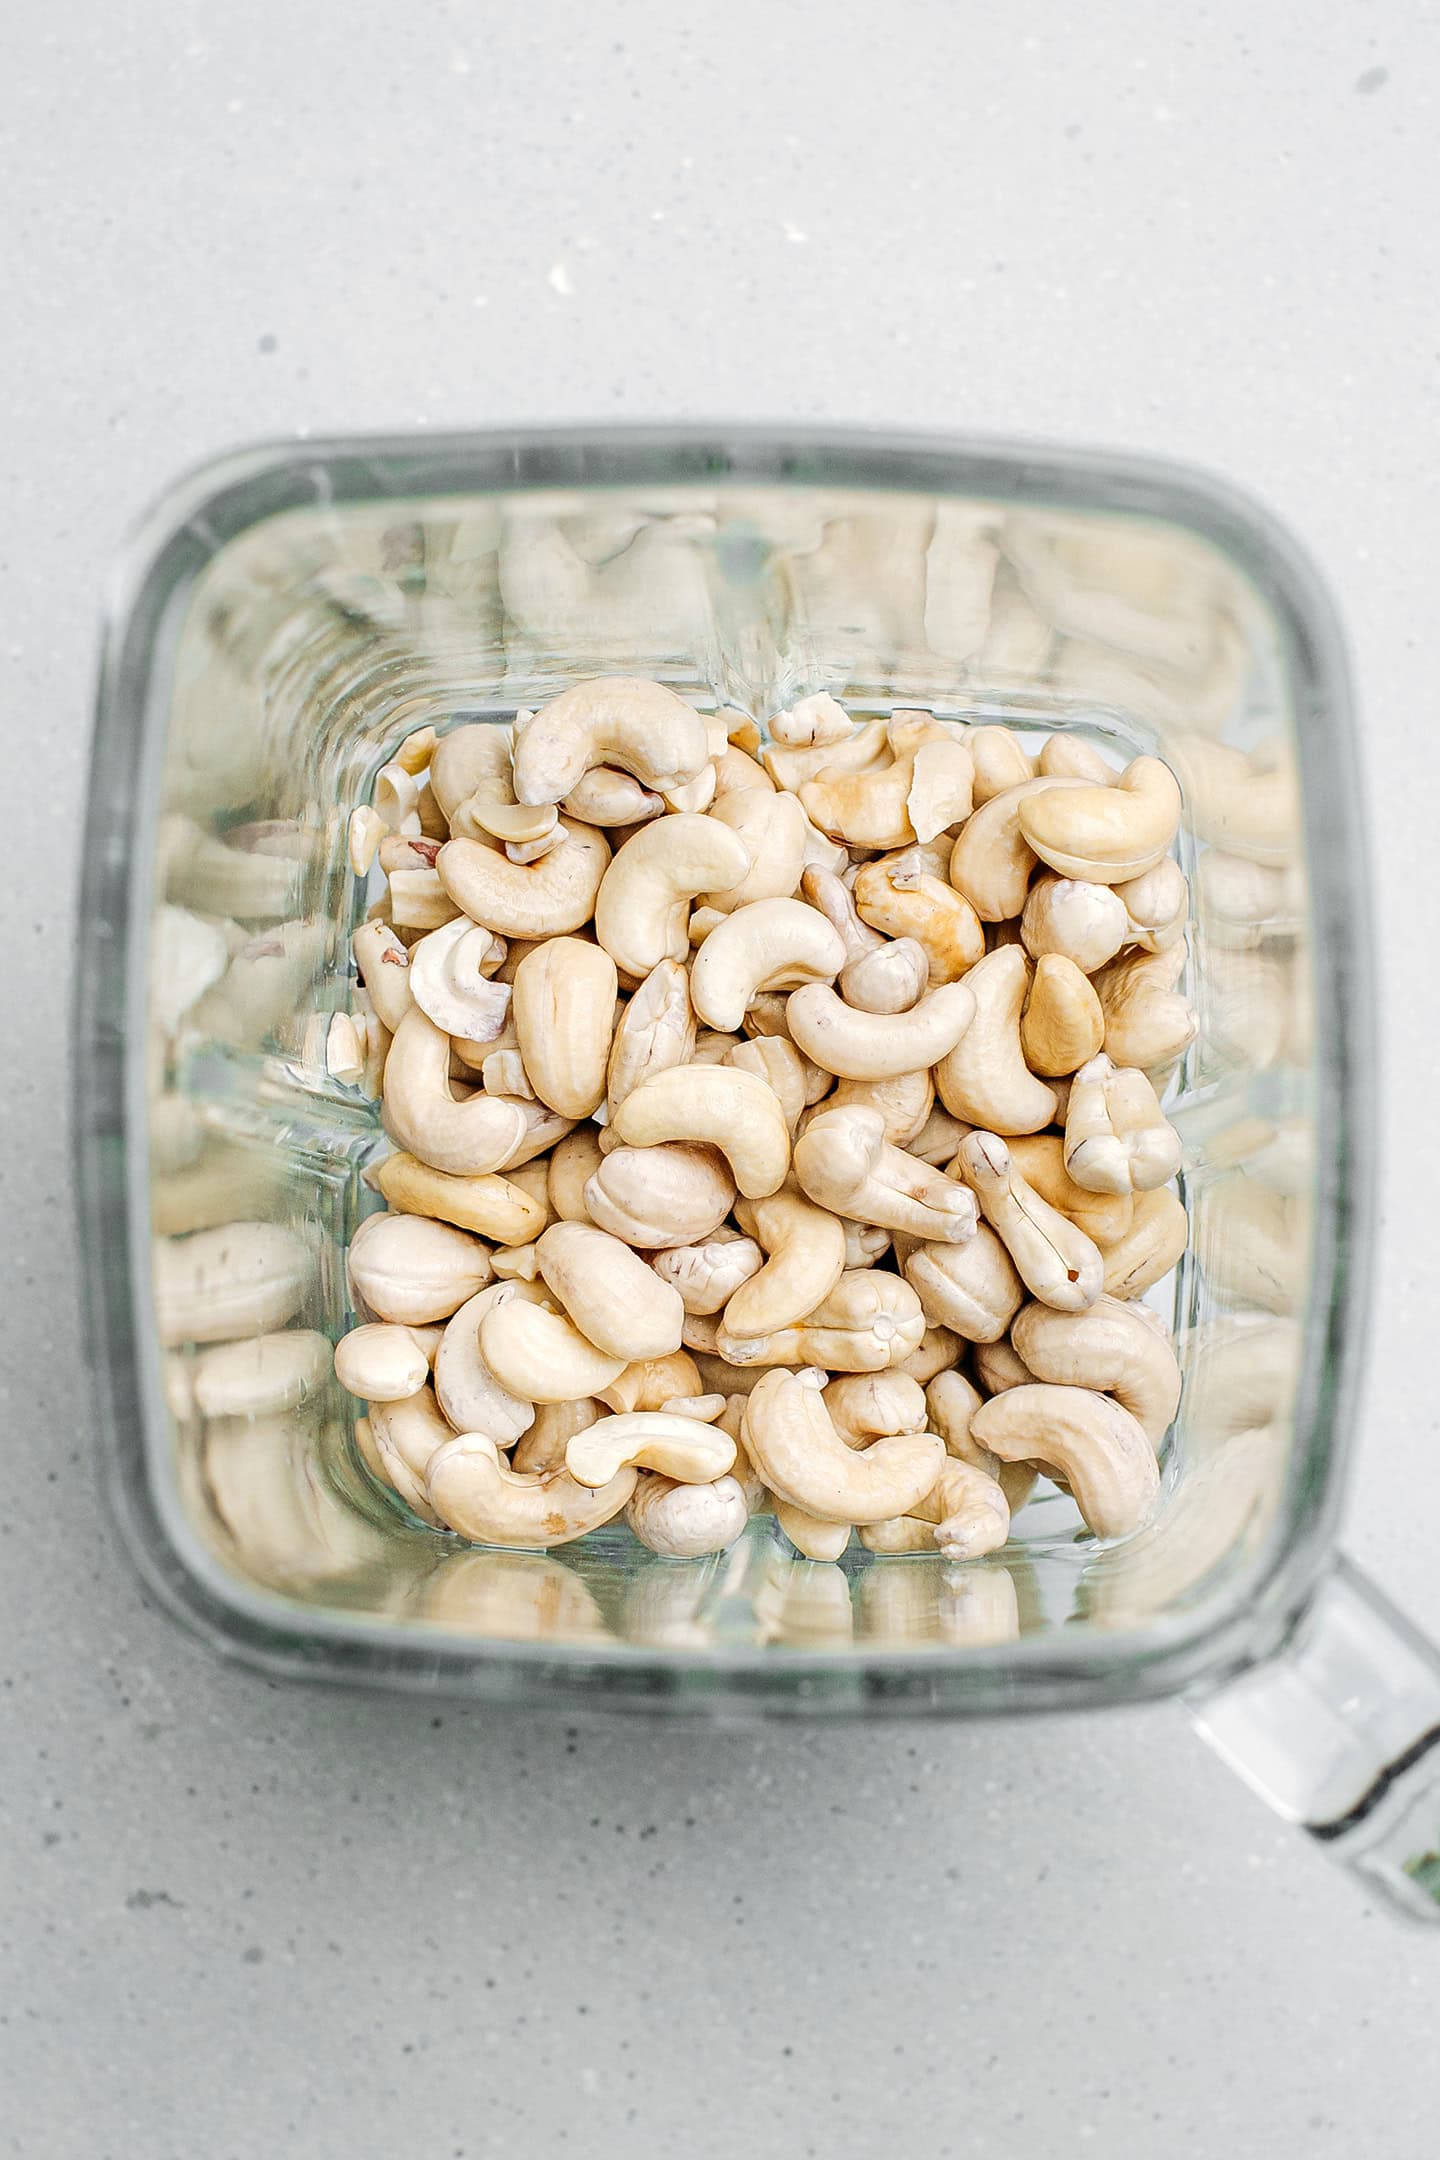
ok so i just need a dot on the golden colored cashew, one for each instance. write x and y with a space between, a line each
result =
1062 1025
1158 1234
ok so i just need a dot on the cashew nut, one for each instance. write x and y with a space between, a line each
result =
936 1352
656 1030
640 726
1056 1261
1001 762
574 1160
768 945
715 1105
659 1196
1114 1348
1246 802
234 1280
606 797
653 1384
1148 1022
685 1521
1153 1244
642 907
479 1133
556 1424
410 1268
492 1206
449 977
964 1515
773 831
474 1490
904 1101
824 890
527 900
868 1321
384 966
790 1438
565 996
873 1046
1102 1453
1106 834
1117 1137
681 1448
972 1288
1062 1025
810 1536
866 1406
889 980
805 1248
816 720
540 1355
865 748
904 900
1104 1217
844 1162
984 1079
992 861
468 1392
614 1299
381 1362
468 760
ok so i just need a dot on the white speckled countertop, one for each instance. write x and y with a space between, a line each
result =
246 1921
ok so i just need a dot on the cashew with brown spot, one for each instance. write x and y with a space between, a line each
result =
1102 1453
384 966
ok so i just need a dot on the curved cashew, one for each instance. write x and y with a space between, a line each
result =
565 996
403 1437
606 797
516 824
573 1162
972 1288
1001 762
824 890
685 1521
527 900
985 1079
890 980
714 1105
708 1275
865 1243
540 1355
1158 1234
789 1436
1106 834
640 726
492 1206
1056 1261
936 1352
660 1196
1102 1453
871 1319
468 1392
936 1139
769 945
964 1515
469 760
1040 1158
874 1046
1062 1025
778 1063
655 1031
614 1299
384 966
951 1401
1117 1137
844 1162
1081 921
929 780
1148 1022
642 908
381 1362
543 1127
478 1133
806 1259
1113 1348
475 1492
904 1101
811 1537
260 1375
1158 905
868 1406
904 900
653 1384
543 1447
773 831
992 860
1070 757
681 1448
409 1268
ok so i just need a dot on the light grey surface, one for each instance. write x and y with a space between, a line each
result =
243 1921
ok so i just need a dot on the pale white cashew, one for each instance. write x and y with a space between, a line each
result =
1076 918
964 1516
844 1163
400 1440
541 1355
1057 1262
603 796
652 1384
991 861
1148 1022
951 1401
516 824
1159 1232
573 1161
779 1064
1158 905
772 829
1246 802
230 1281
871 1319
543 1448
736 770
890 980
643 904
542 1128
655 1031
1001 762
1070 757
707 1409
906 901
814 1539
491 1206
1062 1025
415 894
873 1046
640 726
812 722
410 1268
681 1448
449 978
999 1366
865 1243
502 1072
363 835
1117 1137
789 1436
1040 1158
712 1105
381 1362
1102 1453
805 1248
695 797
659 1196
866 1406
707 1276
936 1140
469 760
614 1299
477 1134
769 945
475 1492
936 1352
384 966
515 1263
565 997
1106 834
984 1079
530 851
1112 1348
260 1375
972 1288
904 1101
765 1016
685 1521
468 1392
527 900
868 748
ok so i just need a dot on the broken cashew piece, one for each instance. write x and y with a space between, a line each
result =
717 1106
1102 1453
475 1492
707 1276
845 1164
681 1448
1117 1137
859 1045
789 1436
1055 1260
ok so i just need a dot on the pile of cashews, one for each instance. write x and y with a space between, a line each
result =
736 1084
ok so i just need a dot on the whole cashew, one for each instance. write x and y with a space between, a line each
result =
614 1299
606 797
715 1105
866 748
1102 1453
805 1248
659 1196
1117 1138
381 1362
1104 1217
1070 757
905 901
869 1320
812 1538
890 980
773 830
409 1268
1106 834
404 1437
844 1162
640 726
812 721
972 1288
656 1030
565 997
904 1101
1148 1022
540 1355
999 1366
867 1406
985 1079
1056 1261
1114 1348
769 945
1157 1236
681 1448
474 1490
874 1046
642 908
467 1390
707 1275
478 1134
992 860
556 1424
492 1206
469 760
936 1352
792 1442
1001 762
1062 1025
685 1521
573 1162
964 1515
528 900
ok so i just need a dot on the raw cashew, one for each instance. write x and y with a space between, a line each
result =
772 829
866 1406
658 1196
1070 757
769 945
873 1046
381 1362
1117 1137
935 1141
410 1268
890 980
478 1134
1157 1236
715 1105
964 1515
543 1447
404 1437
972 1288
1062 1025
614 1299
868 1321
474 1491
904 1101
1115 1348
1148 1022
655 1031
866 748
789 1437
606 797
384 966
1157 904
812 721
652 1384
776 1061
565 997
904 900
642 908
1106 834
845 1164
805 1248
469 760
492 1206
467 1390
824 890
708 1275
1081 921
1040 1158
450 972
677 1447
528 900
231 1281
540 1355
685 1521
999 1366
1102 1453
813 1538
573 1161
1056 1261
985 1079
936 1352
951 1401
640 726
991 861
1000 761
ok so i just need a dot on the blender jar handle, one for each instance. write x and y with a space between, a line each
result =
1340 1732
